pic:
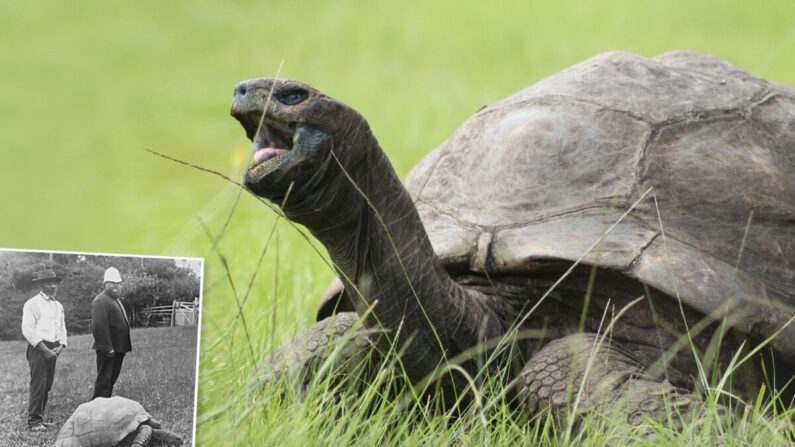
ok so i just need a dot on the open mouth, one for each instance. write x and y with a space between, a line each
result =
271 139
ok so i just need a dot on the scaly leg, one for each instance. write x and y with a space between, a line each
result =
300 358
142 436
583 373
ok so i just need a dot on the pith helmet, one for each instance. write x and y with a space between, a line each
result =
112 275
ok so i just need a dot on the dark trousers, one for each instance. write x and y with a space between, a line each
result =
42 372
108 369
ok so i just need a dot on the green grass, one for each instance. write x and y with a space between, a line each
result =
86 87
159 373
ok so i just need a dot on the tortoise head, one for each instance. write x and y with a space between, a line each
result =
165 437
294 129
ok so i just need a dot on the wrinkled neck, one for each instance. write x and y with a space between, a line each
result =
376 240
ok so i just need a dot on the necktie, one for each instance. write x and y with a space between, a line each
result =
123 312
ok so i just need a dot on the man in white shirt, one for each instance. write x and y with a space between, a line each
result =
44 328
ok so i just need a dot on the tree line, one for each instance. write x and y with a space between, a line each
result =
147 282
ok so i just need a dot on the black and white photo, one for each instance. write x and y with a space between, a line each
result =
98 346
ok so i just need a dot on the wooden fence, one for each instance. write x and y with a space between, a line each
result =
178 313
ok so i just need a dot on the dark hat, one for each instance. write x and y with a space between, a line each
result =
46 275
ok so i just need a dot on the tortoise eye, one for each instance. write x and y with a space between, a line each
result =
292 96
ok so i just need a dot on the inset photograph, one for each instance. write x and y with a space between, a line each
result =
98 349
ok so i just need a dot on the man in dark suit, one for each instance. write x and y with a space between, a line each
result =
111 330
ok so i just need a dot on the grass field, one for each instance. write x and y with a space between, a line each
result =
87 87
159 373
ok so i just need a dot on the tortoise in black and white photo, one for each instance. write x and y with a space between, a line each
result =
661 189
114 421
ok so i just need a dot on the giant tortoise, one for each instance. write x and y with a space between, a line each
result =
628 217
113 422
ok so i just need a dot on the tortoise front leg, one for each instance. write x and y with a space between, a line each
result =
301 358
142 436
582 373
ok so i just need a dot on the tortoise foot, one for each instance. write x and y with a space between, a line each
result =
582 373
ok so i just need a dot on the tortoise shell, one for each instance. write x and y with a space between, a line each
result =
102 422
535 181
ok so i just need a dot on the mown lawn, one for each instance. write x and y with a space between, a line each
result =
160 374
87 86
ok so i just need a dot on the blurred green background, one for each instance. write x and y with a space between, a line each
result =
87 86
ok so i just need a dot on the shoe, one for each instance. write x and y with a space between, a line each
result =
37 427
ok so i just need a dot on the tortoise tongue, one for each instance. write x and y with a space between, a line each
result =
266 154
